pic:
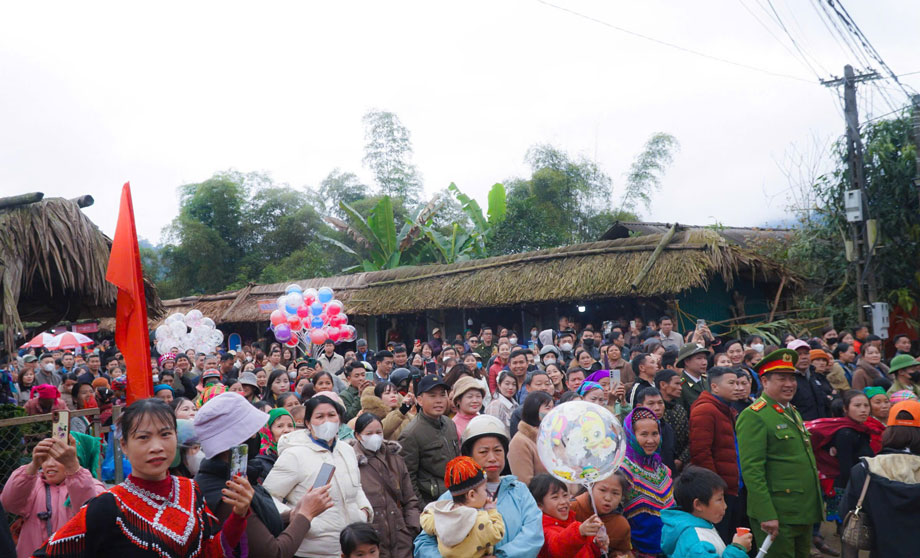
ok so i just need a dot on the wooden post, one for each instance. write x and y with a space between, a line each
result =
84 201
779 292
665 240
22 199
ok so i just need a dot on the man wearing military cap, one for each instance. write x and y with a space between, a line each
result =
693 358
777 464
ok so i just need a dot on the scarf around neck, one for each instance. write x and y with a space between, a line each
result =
267 442
634 451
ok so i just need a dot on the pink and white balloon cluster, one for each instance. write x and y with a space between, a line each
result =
311 315
188 331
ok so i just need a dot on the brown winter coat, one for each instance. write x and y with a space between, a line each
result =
522 453
387 485
865 374
712 439
393 420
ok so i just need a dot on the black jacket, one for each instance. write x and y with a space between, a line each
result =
851 446
891 501
213 475
809 399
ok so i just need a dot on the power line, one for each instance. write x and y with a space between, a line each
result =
672 45
867 45
795 43
778 40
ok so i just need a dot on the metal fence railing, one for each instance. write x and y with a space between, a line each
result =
19 433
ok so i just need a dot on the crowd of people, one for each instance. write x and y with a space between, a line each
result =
433 447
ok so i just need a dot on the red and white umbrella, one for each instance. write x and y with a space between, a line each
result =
40 340
69 340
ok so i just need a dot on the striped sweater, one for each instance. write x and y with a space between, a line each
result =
651 492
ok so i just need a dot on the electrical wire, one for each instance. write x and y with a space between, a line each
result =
850 23
795 43
778 40
672 45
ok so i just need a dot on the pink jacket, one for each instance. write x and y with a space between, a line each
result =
24 495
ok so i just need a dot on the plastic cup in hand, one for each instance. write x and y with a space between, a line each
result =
741 531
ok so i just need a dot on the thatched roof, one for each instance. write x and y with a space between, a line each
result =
53 261
212 306
604 269
742 236
593 270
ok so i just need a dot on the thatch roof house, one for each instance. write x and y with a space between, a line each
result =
53 261
695 271
742 236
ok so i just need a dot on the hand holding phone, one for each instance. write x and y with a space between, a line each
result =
239 460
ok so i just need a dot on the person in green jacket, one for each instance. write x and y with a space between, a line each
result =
693 358
777 464
430 440
355 379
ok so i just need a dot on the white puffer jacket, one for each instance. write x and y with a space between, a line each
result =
299 461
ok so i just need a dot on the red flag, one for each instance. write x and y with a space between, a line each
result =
131 334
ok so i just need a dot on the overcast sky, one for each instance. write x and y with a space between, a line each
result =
96 94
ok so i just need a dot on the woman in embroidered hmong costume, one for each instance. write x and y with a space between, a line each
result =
651 482
152 513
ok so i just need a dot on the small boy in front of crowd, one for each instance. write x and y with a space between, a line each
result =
468 526
563 536
689 529
359 540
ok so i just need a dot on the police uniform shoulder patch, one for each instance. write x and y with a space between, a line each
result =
758 405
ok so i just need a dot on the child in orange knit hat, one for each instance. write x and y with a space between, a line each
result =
468 526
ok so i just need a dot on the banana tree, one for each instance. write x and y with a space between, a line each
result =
378 244
460 244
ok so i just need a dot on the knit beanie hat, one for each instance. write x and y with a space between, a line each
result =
463 474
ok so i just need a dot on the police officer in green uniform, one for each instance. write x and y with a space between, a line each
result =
777 463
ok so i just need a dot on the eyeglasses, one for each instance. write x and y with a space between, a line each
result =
474 341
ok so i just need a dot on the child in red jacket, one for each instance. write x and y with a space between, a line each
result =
563 537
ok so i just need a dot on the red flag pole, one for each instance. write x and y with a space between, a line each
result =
124 271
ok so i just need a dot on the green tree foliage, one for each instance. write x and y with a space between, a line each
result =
377 245
338 187
459 243
817 249
644 176
206 240
568 199
388 154
235 228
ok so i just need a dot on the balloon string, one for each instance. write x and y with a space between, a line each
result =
603 529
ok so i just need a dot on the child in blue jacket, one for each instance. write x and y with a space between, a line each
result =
691 533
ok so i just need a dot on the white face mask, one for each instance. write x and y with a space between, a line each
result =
373 442
512 340
327 430
533 334
49 367
193 462
566 347
549 361
757 347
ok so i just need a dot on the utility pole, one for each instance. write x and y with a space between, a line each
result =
859 231
915 121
